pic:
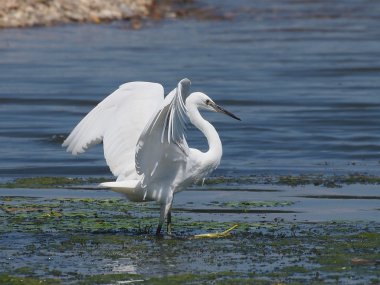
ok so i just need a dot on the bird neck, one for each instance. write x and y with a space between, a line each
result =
214 153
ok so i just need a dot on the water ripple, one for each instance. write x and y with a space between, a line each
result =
294 71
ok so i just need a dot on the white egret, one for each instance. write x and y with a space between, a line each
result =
144 141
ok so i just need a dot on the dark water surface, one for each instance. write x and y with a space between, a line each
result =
303 76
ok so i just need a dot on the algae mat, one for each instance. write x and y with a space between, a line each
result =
100 240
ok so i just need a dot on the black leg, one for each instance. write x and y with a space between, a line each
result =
158 231
164 213
169 222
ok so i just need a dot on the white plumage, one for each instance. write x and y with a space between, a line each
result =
144 140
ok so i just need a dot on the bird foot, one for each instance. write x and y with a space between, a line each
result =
217 235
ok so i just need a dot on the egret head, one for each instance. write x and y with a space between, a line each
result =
202 101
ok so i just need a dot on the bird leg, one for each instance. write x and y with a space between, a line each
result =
158 231
164 212
169 222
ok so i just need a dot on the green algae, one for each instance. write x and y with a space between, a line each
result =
228 277
262 254
111 279
331 181
301 180
255 204
328 181
49 182
100 215
337 255
55 234
174 279
25 270
287 251
17 280
361 178
92 215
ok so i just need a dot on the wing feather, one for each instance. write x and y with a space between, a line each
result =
162 145
118 121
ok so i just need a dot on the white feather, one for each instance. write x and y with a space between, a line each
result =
144 140
162 146
118 121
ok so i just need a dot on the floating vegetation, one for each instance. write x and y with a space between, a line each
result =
91 215
116 278
307 180
360 178
328 181
255 204
289 180
109 241
17 280
50 182
297 180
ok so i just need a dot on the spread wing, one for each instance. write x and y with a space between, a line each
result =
118 121
162 148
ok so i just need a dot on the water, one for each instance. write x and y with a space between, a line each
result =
303 76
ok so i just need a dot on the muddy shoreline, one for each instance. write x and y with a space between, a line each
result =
30 13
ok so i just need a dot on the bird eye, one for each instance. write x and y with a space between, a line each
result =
207 102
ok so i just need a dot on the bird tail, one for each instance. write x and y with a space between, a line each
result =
130 188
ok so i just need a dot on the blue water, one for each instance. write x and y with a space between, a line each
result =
303 76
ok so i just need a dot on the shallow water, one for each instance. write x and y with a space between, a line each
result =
110 241
302 75
248 203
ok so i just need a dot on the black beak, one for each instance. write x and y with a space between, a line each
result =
224 111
